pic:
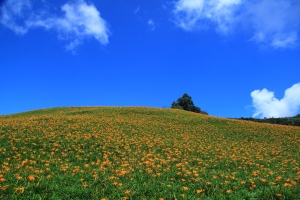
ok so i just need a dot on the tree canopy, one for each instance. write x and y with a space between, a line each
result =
185 103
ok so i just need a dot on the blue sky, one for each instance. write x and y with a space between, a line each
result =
235 58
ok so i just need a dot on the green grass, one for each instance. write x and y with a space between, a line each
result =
145 153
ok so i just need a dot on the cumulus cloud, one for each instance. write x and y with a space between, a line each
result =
267 105
271 23
80 21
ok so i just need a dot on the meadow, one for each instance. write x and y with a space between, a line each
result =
145 153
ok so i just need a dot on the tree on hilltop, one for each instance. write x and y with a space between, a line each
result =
186 103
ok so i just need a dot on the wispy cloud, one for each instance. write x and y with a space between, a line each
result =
13 13
151 24
272 23
191 14
79 22
137 9
267 105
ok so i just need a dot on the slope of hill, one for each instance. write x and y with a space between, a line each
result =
145 153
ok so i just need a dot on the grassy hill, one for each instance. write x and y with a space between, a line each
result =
145 153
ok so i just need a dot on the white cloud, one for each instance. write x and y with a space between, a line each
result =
13 11
191 14
80 21
151 24
271 23
267 105
188 12
275 23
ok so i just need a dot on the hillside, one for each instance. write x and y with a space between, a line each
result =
144 153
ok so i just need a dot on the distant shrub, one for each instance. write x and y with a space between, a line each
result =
297 116
290 121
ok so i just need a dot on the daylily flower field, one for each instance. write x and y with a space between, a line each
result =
145 153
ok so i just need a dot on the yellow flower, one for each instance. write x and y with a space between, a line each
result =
115 183
84 185
127 192
3 188
287 185
263 180
185 188
21 189
30 178
199 191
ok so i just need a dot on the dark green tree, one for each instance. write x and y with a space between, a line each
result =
297 116
186 103
176 106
